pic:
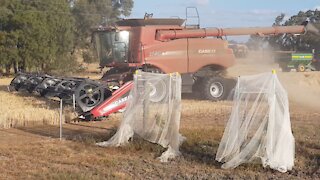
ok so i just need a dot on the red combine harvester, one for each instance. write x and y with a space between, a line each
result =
201 56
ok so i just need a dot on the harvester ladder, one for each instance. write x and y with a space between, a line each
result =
192 21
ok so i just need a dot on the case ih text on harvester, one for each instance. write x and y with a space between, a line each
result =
201 56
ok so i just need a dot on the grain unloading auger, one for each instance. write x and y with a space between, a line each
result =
201 56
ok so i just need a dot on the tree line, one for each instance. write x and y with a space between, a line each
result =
292 42
41 35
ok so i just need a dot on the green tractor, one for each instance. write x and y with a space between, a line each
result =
288 60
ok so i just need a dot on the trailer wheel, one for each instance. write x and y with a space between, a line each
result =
213 88
301 68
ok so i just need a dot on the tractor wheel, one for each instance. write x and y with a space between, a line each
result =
213 88
301 68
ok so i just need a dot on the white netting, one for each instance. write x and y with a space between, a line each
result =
153 112
259 125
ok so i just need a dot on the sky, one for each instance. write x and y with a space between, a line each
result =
225 13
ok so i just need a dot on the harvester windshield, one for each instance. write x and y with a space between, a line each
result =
112 46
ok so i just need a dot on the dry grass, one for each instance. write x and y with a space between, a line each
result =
32 153
21 109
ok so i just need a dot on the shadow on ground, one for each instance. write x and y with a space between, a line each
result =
73 132
4 88
202 153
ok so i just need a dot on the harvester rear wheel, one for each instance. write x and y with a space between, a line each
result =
213 88
301 68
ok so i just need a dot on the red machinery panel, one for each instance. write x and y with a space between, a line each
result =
116 102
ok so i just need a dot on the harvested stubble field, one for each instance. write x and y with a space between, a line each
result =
33 151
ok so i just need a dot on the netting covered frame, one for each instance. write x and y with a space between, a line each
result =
272 140
142 105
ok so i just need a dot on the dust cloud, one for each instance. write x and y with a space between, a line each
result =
303 88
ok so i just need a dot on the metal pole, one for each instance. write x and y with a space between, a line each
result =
147 90
61 119
237 91
74 101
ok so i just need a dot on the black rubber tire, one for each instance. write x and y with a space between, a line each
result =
99 97
213 88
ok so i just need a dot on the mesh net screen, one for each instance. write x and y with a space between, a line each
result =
153 112
259 126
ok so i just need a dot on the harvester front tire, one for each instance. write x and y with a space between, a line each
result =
213 88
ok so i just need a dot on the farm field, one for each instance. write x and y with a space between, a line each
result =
32 150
